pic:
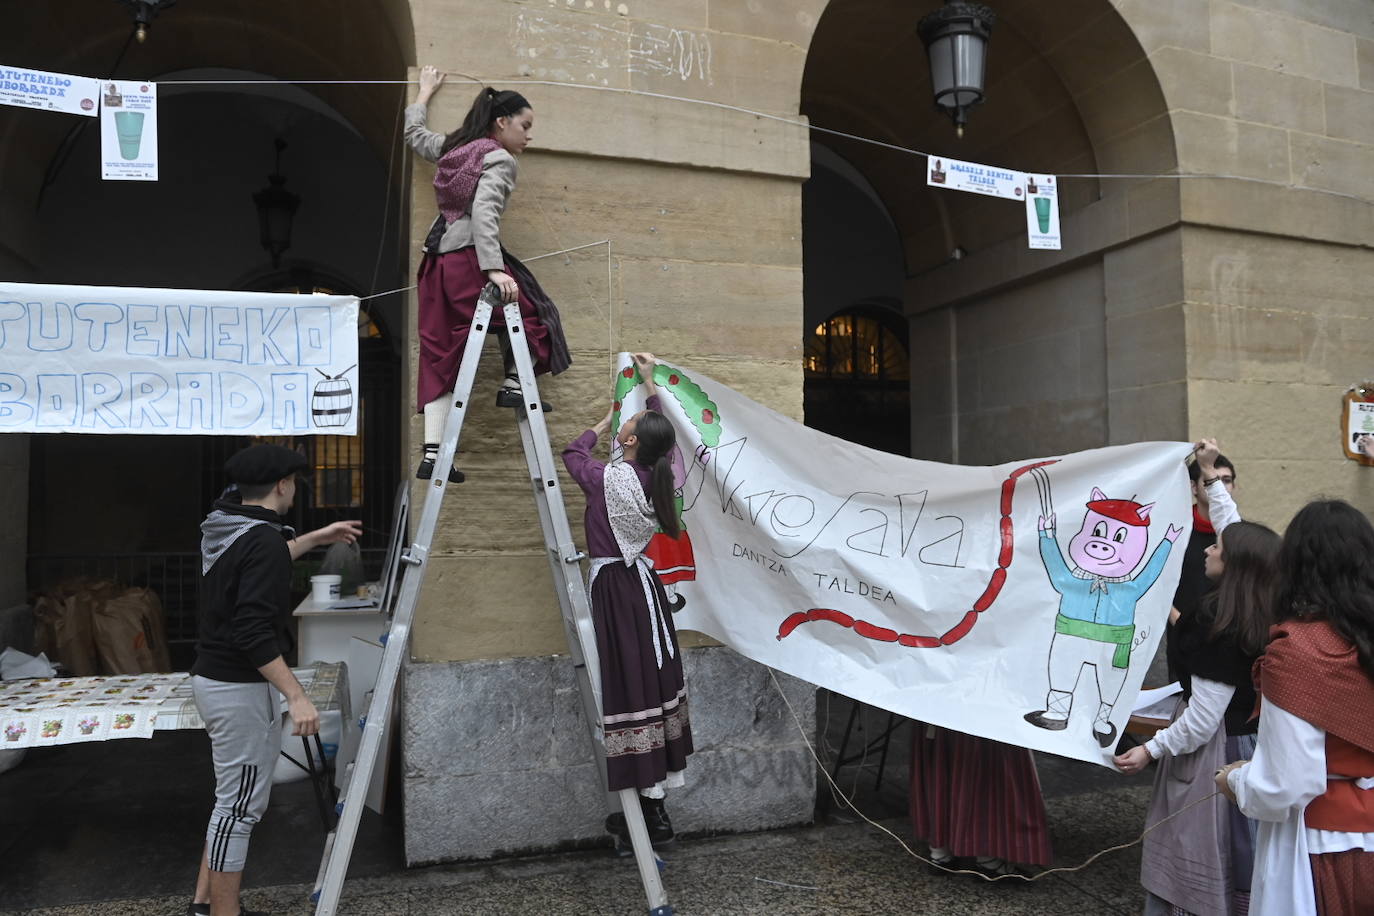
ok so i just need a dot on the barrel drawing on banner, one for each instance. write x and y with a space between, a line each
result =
332 402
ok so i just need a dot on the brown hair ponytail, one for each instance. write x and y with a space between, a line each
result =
656 442
489 105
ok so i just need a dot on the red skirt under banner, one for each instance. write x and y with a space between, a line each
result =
672 557
977 797
449 285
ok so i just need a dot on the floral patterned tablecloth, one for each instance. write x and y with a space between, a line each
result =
38 712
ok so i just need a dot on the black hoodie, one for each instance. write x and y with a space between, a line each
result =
245 592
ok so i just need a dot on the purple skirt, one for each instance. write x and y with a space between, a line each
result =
644 703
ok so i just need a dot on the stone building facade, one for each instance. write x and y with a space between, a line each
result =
1216 158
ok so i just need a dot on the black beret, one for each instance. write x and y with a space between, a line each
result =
264 463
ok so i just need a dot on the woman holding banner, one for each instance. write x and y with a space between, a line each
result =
648 735
1199 859
1310 782
473 180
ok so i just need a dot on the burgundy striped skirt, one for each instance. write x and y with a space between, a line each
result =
644 705
977 797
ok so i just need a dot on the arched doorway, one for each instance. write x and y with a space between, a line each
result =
1013 352
855 337
97 503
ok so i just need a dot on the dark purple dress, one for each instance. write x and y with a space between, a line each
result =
644 703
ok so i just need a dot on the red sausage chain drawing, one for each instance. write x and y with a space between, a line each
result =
960 629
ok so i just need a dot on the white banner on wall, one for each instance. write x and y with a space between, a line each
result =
25 88
957 175
128 130
1021 602
112 359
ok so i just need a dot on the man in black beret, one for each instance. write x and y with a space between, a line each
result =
245 612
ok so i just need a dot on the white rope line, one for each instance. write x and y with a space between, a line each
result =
406 289
771 117
964 871
540 257
386 206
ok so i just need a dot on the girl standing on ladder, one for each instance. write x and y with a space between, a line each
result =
643 697
473 181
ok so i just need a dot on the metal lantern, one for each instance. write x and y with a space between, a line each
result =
956 39
145 11
276 211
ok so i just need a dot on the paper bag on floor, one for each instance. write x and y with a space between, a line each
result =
64 627
130 633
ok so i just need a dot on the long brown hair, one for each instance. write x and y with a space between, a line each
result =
489 105
1325 572
1245 591
656 442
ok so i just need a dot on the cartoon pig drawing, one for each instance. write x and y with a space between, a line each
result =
1098 594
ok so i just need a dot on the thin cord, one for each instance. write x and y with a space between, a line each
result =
386 206
539 257
964 871
760 114
406 289
610 314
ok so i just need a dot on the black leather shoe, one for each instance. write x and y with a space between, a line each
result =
1002 872
426 471
947 867
512 397
203 909
660 828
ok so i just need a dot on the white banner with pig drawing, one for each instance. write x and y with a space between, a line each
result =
115 359
1021 602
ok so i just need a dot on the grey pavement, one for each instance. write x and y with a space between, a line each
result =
840 865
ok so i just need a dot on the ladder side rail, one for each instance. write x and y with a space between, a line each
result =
397 639
566 571
551 495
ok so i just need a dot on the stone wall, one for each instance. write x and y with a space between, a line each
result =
1277 330
702 209
1275 268
498 759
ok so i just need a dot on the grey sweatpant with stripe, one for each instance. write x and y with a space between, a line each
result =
245 738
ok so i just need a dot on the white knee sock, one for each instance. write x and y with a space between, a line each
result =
436 412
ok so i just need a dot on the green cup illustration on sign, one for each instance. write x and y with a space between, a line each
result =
129 129
1042 213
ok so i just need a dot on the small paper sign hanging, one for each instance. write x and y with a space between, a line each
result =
1042 212
958 175
25 88
128 130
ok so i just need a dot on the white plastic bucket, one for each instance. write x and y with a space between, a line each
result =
325 589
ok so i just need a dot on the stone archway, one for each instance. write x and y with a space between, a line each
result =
1013 352
196 227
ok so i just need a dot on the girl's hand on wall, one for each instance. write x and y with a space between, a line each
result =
431 78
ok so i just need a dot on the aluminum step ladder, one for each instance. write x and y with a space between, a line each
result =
565 567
